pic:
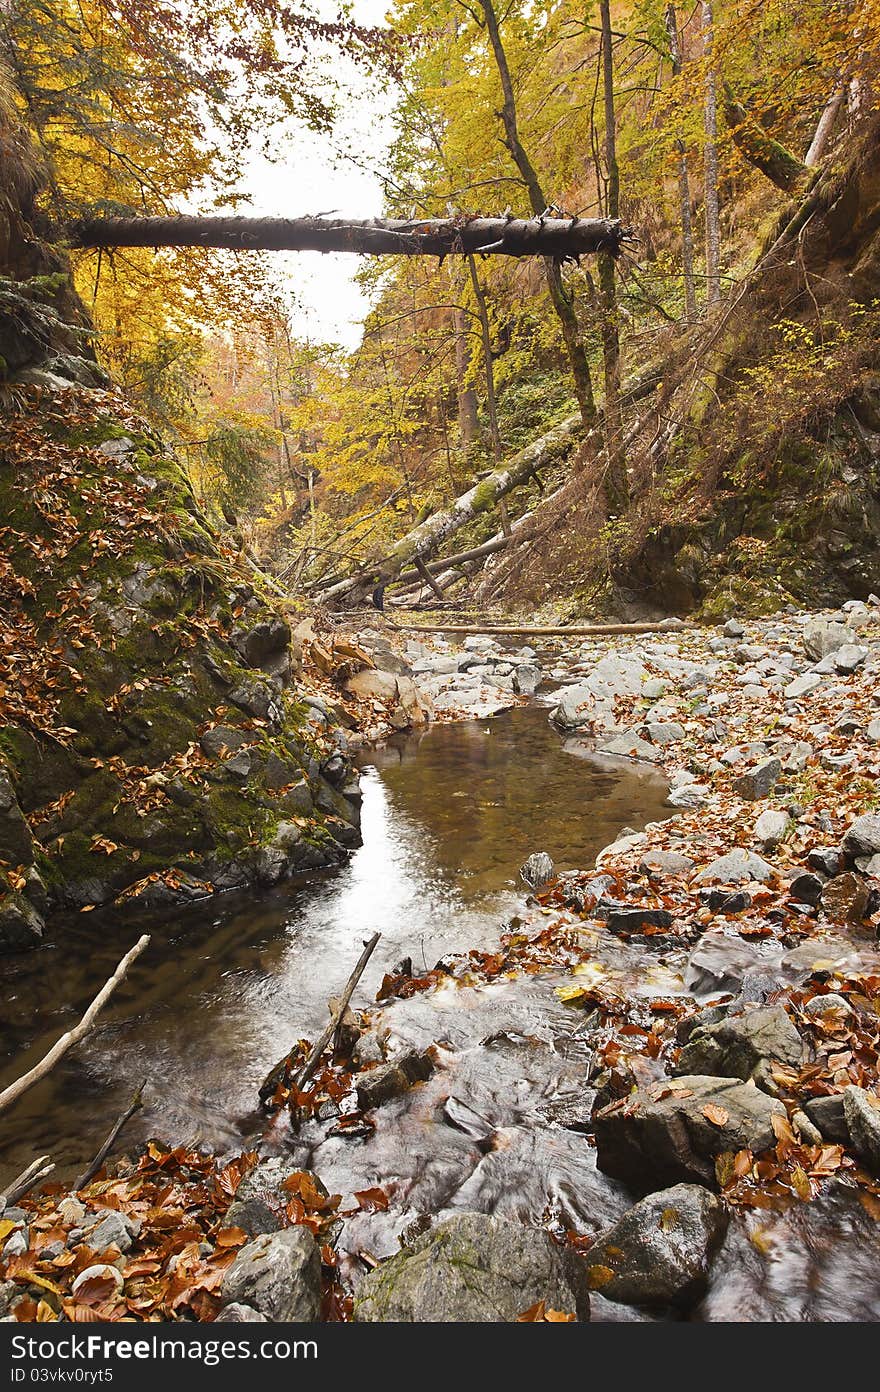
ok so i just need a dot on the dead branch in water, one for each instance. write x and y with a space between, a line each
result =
91 1170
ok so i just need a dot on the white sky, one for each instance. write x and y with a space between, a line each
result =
333 176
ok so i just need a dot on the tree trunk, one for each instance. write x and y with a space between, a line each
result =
562 302
710 161
425 539
819 143
562 237
776 163
684 189
468 419
616 482
488 368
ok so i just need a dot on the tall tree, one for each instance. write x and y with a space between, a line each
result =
563 300
710 161
684 188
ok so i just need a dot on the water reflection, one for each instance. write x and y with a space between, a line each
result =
225 989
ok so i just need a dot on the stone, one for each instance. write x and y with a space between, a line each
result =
260 1202
736 867
873 732
823 636
824 859
538 870
21 924
223 740
663 732
827 1114
240 1314
759 782
660 1251
654 689
659 863
847 896
863 836
629 746
848 657
112 1229
738 1045
527 679
802 686
771 828
630 918
472 1268
733 629
860 1110
278 1275
806 889
832 1003
688 796
379 1085
661 1135
257 698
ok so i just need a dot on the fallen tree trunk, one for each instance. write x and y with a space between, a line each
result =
488 548
564 238
424 540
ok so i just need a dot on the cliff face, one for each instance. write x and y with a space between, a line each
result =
152 744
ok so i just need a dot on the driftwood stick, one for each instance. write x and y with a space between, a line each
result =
311 1063
585 630
18 1187
91 1170
73 1036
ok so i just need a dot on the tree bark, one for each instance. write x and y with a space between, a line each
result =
776 163
562 302
555 237
710 163
819 143
616 482
488 368
684 188
468 418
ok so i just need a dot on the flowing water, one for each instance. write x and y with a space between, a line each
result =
225 989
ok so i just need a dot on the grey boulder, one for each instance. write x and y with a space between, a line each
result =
471 1268
863 837
663 1134
740 1045
278 1275
659 1253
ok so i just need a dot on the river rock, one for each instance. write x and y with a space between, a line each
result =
828 1115
847 896
527 679
471 1268
379 1085
736 867
661 1135
771 828
848 657
740 1046
824 636
260 1202
538 870
802 686
659 1253
240 1314
278 1275
733 629
863 836
21 925
628 745
660 862
860 1110
759 782
663 732
112 1229
825 860
806 888
688 796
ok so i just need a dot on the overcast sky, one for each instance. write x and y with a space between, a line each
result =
317 175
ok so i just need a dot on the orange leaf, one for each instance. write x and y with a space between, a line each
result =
717 1115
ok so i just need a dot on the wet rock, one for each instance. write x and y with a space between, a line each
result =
724 902
847 897
832 1003
527 679
828 1115
380 1085
759 782
771 828
863 837
659 1253
631 918
628 745
260 1201
661 1135
471 1268
16 842
278 1275
860 1110
740 1045
736 867
538 870
21 925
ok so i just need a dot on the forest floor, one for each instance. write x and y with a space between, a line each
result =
754 1073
